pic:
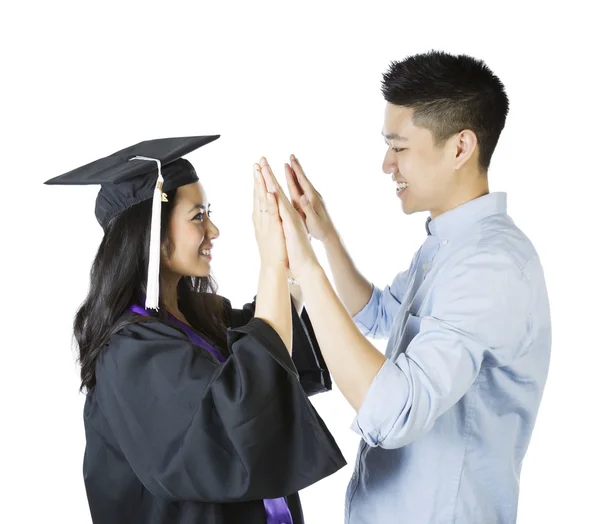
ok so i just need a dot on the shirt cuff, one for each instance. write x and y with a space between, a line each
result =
366 318
377 415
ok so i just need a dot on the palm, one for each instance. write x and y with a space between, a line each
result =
297 243
267 224
317 221
296 240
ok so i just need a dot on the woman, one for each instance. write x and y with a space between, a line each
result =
195 413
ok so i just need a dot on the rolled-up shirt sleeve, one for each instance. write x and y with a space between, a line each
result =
479 317
376 318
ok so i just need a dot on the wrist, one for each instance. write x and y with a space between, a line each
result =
332 240
310 272
274 269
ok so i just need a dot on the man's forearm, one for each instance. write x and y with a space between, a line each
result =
352 360
353 288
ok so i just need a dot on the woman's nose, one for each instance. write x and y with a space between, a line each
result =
213 230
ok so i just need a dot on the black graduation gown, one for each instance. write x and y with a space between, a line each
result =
174 436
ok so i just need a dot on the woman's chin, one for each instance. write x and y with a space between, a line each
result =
197 268
202 269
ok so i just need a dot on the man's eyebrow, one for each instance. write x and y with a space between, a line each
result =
394 136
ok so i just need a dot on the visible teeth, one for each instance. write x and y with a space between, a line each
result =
206 251
401 185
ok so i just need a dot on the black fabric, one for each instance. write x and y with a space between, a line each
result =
314 374
125 182
173 436
306 353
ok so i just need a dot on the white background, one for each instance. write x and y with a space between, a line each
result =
82 81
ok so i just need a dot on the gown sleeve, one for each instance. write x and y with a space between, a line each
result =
306 353
195 429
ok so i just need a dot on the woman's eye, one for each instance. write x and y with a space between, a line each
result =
199 216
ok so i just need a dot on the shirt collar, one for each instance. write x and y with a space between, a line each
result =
452 223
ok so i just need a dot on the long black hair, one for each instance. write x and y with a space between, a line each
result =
118 279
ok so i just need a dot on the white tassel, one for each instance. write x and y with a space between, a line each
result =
153 283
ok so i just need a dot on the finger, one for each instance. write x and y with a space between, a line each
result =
293 226
292 183
287 212
282 198
306 206
272 207
261 190
294 190
257 175
303 180
270 180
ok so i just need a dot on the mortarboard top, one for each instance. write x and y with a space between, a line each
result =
125 182
135 174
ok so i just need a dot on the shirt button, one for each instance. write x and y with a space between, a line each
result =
425 266
445 242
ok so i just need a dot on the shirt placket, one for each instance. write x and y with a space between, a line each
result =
430 249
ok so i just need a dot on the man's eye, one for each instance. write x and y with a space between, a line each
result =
199 216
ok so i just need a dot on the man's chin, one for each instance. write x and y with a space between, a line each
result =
408 209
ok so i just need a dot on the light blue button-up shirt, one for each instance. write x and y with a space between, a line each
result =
448 418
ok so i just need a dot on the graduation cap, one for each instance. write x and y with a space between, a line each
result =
141 172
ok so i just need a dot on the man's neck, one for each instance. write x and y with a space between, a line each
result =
470 192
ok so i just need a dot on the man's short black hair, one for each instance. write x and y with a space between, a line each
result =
450 93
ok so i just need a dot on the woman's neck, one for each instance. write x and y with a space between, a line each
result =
169 296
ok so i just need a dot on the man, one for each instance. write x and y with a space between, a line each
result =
447 414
